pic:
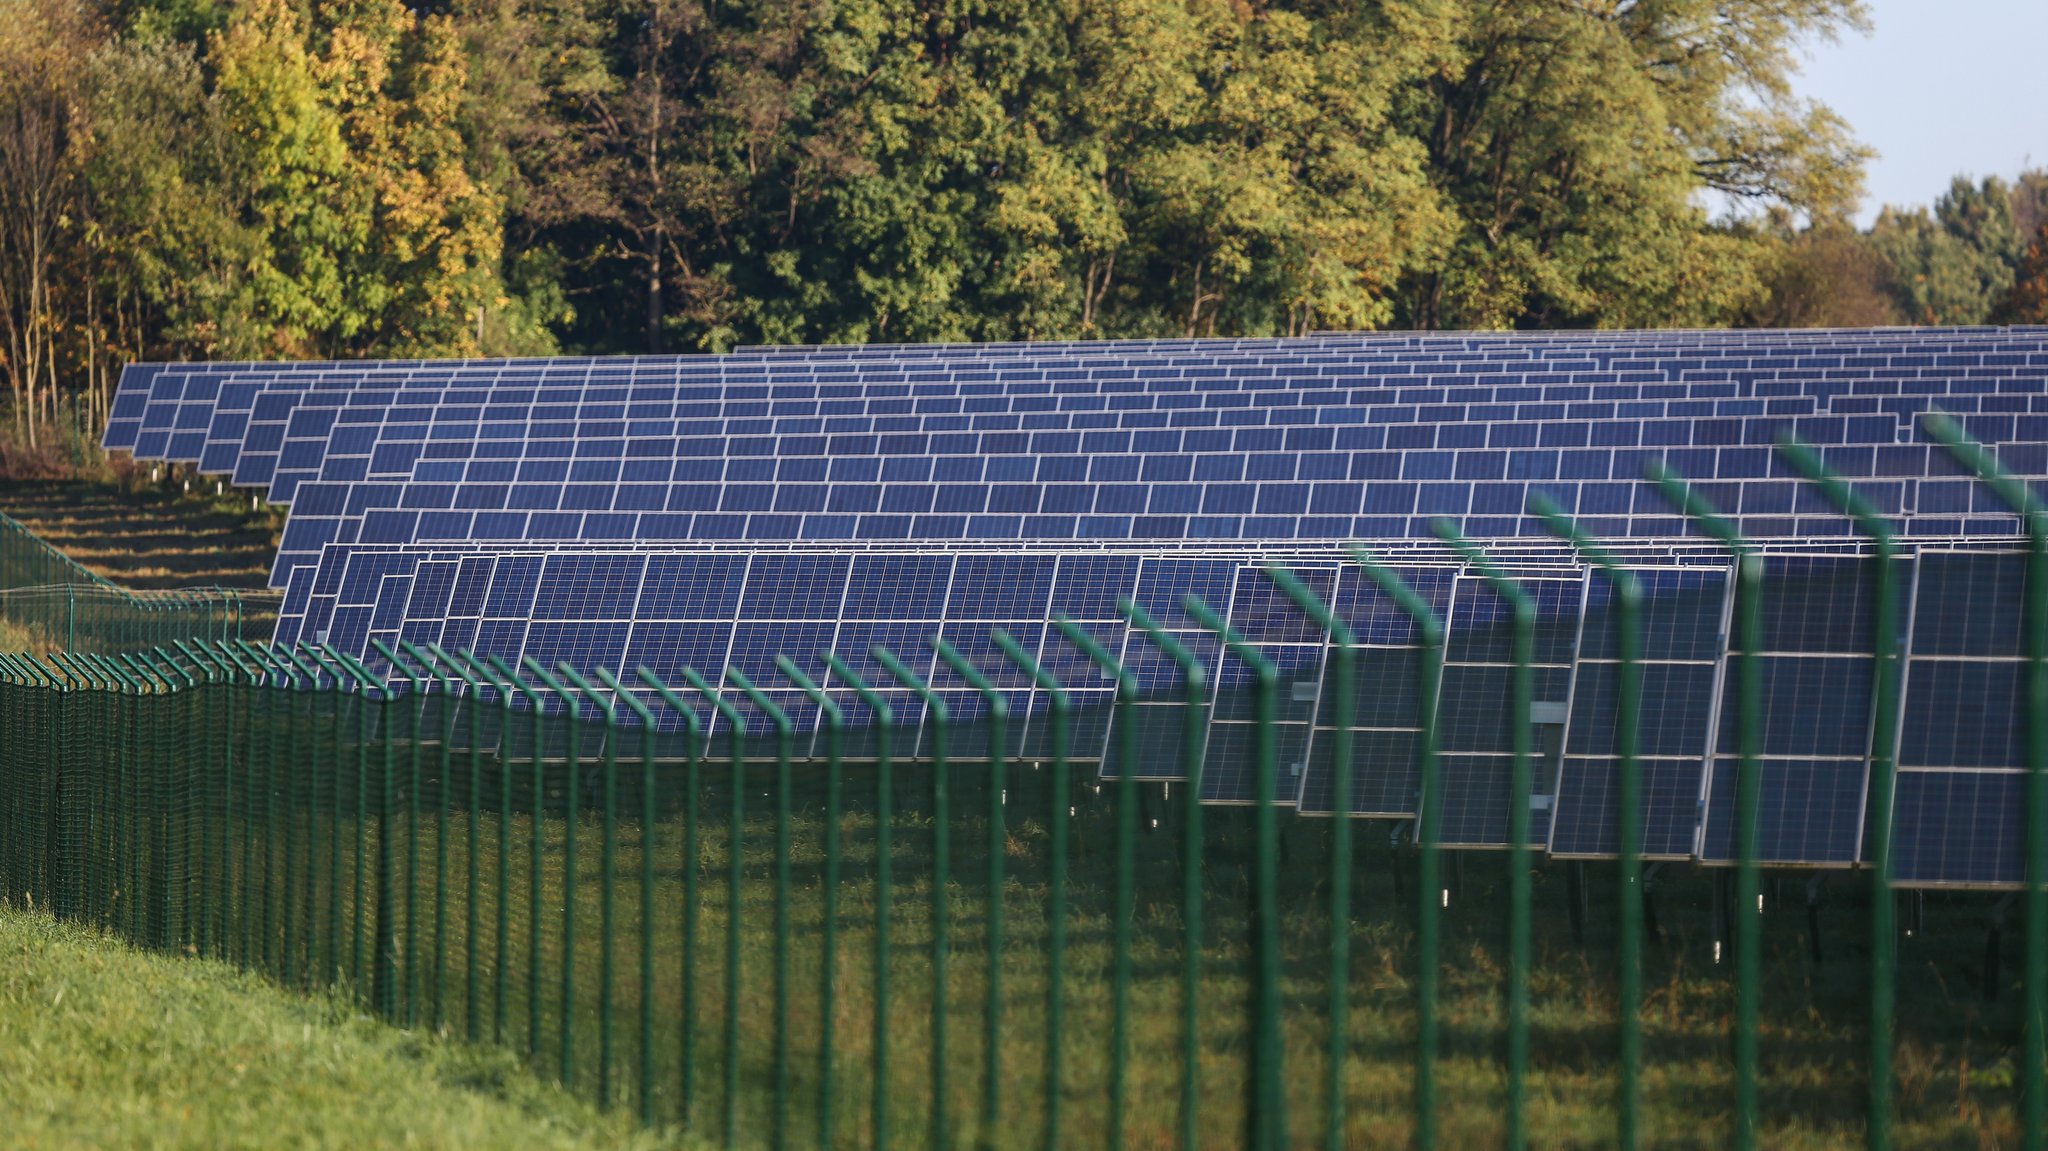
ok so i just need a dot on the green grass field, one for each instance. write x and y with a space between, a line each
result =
1955 1062
103 1046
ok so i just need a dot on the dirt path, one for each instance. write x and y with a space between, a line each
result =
145 540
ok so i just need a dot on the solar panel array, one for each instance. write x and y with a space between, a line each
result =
716 511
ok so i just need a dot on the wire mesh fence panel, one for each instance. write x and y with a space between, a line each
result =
959 888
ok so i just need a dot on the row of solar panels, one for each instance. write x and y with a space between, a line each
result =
1959 748
361 461
465 504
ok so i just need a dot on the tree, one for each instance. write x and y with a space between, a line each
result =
1573 140
2027 301
42 43
1952 265
1826 276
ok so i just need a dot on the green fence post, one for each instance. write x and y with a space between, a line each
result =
446 768
2016 495
219 678
154 906
1343 677
316 664
259 676
246 685
1429 630
1628 793
608 878
1884 711
648 817
126 720
785 733
735 875
992 1004
834 722
533 876
1194 687
691 861
296 666
1749 701
572 792
276 679
1519 788
885 724
50 783
941 910
384 953
416 704
454 669
1126 869
66 893
1059 708
365 723
85 691
502 933
181 850
1265 1114
271 785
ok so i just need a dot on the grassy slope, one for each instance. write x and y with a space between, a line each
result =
104 1046
148 537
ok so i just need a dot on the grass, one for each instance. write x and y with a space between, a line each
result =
103 1046
1955 1060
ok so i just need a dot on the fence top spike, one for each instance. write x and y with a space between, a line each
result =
717 701
205 664
70 674
1247 654
460 668
1977 459
1126 683
335 670
508 679
1625 583
548 681
1697 507
1192 672
1043 678
487 677
1311 604
776 715
1479 561
834 718
909 679
998 706
171 663
1427 621
265 664
604 706
362 673
298 660
692 722
1846 499
640 709
885 716
399 666
432 667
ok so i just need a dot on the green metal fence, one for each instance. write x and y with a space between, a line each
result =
51 602
671 898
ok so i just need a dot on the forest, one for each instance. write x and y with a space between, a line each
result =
239 179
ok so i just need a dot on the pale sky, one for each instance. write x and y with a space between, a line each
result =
1938 87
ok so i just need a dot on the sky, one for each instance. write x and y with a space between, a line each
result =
1938 87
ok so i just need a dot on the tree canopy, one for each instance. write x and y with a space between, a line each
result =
216 178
